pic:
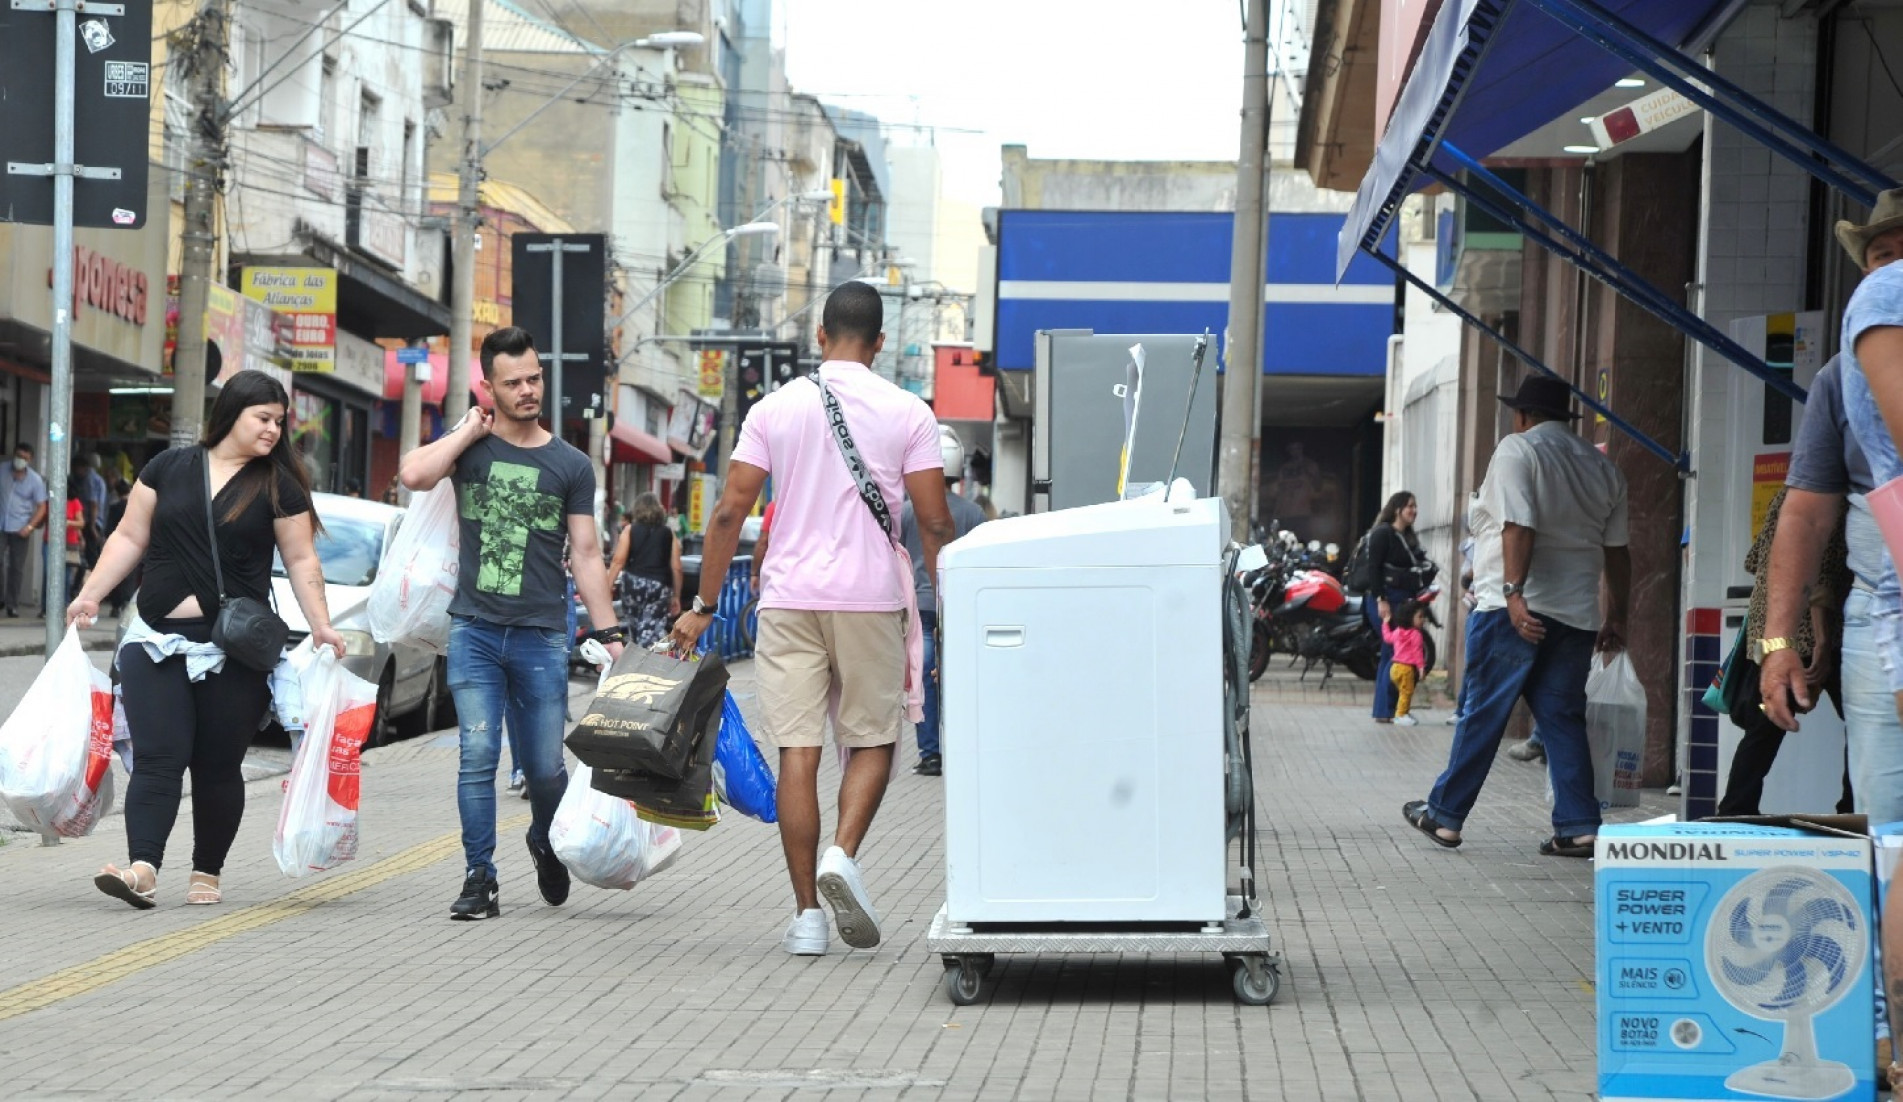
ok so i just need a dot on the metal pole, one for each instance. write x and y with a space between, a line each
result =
468 213
410 432
58 449
1242 353
555 337
199 238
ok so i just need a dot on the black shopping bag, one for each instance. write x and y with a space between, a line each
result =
686 802
649 712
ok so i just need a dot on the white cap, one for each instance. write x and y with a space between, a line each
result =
952 451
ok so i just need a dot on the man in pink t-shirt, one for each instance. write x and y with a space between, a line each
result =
832 634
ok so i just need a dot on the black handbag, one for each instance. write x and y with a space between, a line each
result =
250 632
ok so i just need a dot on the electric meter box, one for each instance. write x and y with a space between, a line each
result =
1734 960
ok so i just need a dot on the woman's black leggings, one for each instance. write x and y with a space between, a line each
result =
177 724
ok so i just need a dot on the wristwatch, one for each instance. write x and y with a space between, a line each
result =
702 608
1509 590
1768 647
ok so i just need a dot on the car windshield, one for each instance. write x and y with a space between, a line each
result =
349 550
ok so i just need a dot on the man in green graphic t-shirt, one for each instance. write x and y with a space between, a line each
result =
522 496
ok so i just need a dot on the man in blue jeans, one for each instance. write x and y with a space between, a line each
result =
1548 520
1829 476
522 494
965 516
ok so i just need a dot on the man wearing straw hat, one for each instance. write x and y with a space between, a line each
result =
1828 469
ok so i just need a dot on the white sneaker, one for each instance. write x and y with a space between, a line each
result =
1453 720
840 885
1406 721
807 935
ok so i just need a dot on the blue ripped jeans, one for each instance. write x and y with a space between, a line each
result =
517 674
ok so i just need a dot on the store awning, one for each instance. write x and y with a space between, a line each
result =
632 445
1491 71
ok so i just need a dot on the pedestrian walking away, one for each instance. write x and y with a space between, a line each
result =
1395 571
833 614
1830 477
188 705
647 567
965 515
1401 634
523 496
1548 520
22 513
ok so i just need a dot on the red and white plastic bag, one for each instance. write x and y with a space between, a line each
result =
56 747
317 826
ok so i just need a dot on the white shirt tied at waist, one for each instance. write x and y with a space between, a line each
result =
1554 481
201 659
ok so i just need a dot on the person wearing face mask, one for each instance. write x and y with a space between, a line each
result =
22 513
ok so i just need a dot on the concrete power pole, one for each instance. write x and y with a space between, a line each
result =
203 53
1242 352
468 213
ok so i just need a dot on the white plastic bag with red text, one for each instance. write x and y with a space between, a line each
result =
603 842
409 598
1615 729
317 826
56 747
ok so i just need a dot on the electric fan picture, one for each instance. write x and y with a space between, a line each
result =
1786 944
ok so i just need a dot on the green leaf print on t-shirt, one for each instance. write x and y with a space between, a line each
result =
508 506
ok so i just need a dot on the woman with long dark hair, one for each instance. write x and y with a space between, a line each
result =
188 705
647 568
1398 568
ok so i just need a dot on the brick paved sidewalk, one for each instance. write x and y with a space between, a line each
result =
1409 971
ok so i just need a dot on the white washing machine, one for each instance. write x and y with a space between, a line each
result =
1082 716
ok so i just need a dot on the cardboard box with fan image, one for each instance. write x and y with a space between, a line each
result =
1734 959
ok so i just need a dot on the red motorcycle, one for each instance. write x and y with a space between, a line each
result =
1307 614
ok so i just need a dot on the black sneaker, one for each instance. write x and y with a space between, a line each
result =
551 876
480 899
929 766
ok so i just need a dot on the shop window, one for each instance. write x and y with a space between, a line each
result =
314 435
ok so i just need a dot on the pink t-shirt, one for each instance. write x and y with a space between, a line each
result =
1409 649
828 554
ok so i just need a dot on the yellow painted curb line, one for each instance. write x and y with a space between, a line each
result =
123 963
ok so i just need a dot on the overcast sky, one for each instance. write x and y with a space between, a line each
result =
1110 79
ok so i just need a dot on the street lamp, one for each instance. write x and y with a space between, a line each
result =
749 229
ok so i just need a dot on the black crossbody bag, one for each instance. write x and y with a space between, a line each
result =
250 632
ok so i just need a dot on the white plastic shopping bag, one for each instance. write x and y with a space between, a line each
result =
409 600
317 826
1615 729
56 747
603 842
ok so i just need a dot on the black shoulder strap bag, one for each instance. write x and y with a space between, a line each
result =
249 631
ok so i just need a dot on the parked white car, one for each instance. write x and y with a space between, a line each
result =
412 683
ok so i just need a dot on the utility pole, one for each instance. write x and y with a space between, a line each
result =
1242 352
462 297
202 53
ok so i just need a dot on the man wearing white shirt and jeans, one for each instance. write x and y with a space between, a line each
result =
1549 518
833 612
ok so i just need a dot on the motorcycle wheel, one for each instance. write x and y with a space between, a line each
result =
1430 654
1361 665
1259 650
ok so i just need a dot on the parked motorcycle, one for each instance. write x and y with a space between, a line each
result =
1305 613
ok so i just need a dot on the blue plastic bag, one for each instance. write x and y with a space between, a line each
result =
742 779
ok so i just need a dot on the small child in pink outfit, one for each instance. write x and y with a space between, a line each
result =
1402 632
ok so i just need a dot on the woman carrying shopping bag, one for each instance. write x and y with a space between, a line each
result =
647 567
196 659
